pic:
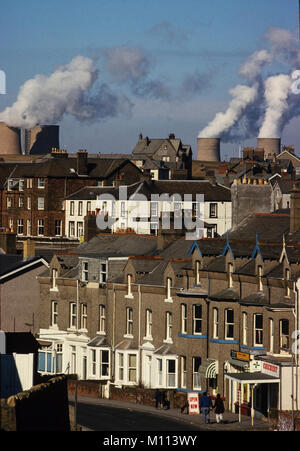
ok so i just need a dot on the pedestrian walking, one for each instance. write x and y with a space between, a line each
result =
219 408
157 399
205 406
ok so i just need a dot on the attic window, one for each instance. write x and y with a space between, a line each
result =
260 285
230 271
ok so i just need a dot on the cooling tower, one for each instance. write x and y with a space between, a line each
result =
270 145
40 140
208 149
10 140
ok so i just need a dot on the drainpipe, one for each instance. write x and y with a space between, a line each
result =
139 335
113 333
77 305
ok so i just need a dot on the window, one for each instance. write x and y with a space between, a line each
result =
11 224
102 319
211 231
215 323
129 321
8 202
197 270
160 372
271 332
28 203
104 363
21 185
10 185
213 210
79 229
284 336
171 373
88 207
83 317
260 284
71 228
20 226
245 328
169 285
73 315
85 271
21 202
113 209
54 313
72 206
229 324
58 227
94 362
153 210
54 273
168 326
183 318
122 210
183 372
196 372
230 271
29 183
197 319
41 203
28 227
59 354
41 182
132 368
80 208
40 227
258 329
149 323
287 278
121 367
103 272
129 282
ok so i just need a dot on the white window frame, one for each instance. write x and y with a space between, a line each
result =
80 208
245 328
213 210
103 272
171 376
102 319
148 324
83 316
129 322
183 314
215 322
230 272
197 319
58 227
73 315
54 313
28 203
41 203
21 202
40 227
183 375
20 227
284 339
271 335
72 208
169 327
85 271
168 289
41 182
258 331
229 324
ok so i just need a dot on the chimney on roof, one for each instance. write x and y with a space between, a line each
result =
82 160
8 242
295 208
171 136
28 249
59 153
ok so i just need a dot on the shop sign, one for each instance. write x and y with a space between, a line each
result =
270 369
193 400
244 356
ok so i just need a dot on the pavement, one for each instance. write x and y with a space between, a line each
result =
231 420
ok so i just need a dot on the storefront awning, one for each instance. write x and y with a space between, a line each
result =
209 369
238 363
252 378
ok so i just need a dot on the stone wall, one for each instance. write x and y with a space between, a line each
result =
44 407
284 420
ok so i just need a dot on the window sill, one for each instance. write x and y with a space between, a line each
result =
168 341
129 296
103 334
128 336
54 289
53 327
148 338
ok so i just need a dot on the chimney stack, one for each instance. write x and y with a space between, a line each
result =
28 249
82 162
295 208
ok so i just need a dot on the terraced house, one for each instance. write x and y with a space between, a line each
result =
165 312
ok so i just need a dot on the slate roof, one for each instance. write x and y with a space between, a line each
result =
257 298
9 263
229 294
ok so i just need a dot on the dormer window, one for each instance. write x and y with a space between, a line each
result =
129 285
230 271
169 286
85 271
54 274
287 278
197 269
259 273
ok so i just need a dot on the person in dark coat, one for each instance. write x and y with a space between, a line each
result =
157 399
205 406
219 409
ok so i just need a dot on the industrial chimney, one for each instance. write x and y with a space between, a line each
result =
10 140
271 146
208 149
40 140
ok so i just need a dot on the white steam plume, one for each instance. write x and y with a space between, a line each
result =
252 68
277 90
243 96
44 100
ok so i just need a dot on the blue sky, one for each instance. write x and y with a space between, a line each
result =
191 52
